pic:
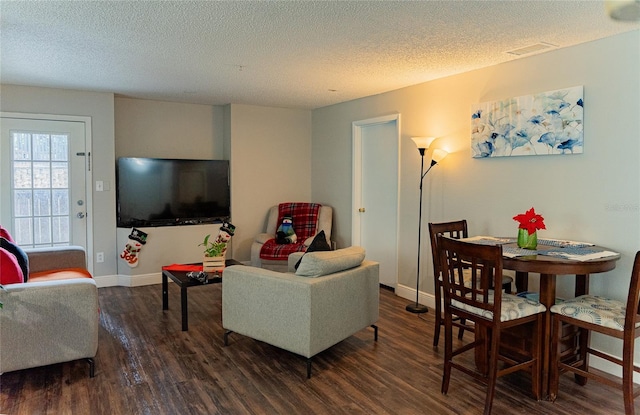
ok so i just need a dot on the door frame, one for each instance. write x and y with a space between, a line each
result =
356 177
88 166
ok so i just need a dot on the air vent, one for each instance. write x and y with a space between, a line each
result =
527 50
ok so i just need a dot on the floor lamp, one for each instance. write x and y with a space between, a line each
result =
423 144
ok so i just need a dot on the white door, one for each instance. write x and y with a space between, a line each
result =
44 166
375 192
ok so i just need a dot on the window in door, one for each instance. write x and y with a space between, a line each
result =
40 191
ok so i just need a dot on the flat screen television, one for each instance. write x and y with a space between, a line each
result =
164 192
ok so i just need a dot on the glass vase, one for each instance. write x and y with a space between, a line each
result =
526 240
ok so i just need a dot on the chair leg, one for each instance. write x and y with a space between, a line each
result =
536 381
493 371
438 313
226 337
627 378
92 367
448 352
309 368
375 332
584 355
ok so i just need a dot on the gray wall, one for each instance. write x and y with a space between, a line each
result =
100 107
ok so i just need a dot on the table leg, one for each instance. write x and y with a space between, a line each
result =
522 281
165 292
582 284
548 299
183 303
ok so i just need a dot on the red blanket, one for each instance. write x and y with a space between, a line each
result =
305 221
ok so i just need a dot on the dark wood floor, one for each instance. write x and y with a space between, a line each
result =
147 365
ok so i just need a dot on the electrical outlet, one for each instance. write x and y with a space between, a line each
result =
100 257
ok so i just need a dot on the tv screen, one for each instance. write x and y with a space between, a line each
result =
162 192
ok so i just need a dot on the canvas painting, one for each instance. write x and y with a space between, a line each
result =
532 125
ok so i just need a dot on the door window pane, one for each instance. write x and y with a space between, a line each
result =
60 202
42 202
41 198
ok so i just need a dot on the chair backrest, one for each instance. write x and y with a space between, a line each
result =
323 222
484 262
632 316
456 229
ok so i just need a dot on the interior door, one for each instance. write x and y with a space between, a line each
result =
44 167
375 190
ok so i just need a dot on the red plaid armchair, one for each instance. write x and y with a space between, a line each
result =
308 220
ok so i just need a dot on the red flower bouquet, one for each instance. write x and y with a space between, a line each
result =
530 221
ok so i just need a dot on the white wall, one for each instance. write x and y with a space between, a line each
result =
593 197
270 152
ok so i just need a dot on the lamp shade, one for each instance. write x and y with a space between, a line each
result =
423 142
438 155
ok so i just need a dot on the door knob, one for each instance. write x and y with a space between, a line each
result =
361 210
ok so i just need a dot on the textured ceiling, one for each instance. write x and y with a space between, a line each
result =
298 54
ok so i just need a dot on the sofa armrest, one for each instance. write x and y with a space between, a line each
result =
43 323
57 257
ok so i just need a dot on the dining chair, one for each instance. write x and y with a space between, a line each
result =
491 310
454 229
605 316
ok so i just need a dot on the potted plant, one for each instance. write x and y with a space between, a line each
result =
213 254
215 250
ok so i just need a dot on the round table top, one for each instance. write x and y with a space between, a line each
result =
545 264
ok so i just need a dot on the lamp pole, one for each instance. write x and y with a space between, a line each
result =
423 143
417 307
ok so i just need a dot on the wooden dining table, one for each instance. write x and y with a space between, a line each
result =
549 268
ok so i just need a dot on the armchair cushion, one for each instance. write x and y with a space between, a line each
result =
317 264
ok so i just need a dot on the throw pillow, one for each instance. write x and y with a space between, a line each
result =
5 234
317 264
10 272
319 243
20 255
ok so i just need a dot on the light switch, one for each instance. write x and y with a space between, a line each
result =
99 186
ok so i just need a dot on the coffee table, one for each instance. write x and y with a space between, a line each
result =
184 282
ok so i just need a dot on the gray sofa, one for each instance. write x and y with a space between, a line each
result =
331 296
48 320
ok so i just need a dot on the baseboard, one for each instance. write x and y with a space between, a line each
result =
128 280
410 294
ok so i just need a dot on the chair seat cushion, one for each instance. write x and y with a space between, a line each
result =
60 274
593 309
513 307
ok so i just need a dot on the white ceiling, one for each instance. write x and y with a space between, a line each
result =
298 54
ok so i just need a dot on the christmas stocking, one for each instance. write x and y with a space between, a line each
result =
137 238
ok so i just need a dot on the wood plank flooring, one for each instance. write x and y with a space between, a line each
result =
147 365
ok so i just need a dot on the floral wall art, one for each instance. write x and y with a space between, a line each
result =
531 125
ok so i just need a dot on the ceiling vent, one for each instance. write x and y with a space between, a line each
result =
528 50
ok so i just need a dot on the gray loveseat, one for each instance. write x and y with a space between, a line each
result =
53 317
331 296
